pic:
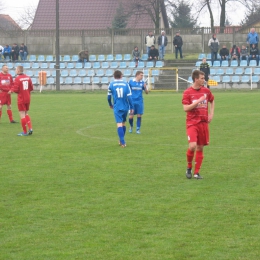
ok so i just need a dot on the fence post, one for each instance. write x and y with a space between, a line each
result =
112 41
203 40
172 39
83 40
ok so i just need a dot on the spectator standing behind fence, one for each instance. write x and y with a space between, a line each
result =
224 53
83 56
149 41
136 55
153 54
1 51
254 54
235 53
244 53
7 52
214 46
177 42
204 66
252 38
15 52
23 52
162 43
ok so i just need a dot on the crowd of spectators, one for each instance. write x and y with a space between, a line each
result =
14 52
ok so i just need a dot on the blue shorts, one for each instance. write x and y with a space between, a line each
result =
120 115
138 108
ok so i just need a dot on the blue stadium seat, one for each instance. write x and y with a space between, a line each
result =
226 79
235 79
96 80
100 73
217 78
140 65
122 65
86 80
101 57
159 64
131 65
255 79
127 57
48 73
66 58
245 79
104 65
77 80
128 73
10 65
82 73
73 73
91 73
74 58
248 71
62 65
50 81
92 58
151 80
27 65
34 81
146 72
190 79
239 71
78 65
70 65
35 66
36 73
109 73
233 63
64 73
68 80
41 58
216 63
32 58
104 80
96 65
252 63
118 57
257 71
220 72
201 56
52 65
113 65
87 65
44 65
212 71
53 73
144 57
243 63
49 58
61 80
149 64
198 63
155 73
224 63
209 62
110 57
29 73
229 71
209 56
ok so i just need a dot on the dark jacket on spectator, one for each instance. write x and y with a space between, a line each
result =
177 40
253 51
224 52
153 53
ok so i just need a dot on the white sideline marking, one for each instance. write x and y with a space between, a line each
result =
81 132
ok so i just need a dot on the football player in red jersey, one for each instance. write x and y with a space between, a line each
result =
23 87
6 82
195 103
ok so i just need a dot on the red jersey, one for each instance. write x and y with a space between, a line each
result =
199 113
23 87
6 82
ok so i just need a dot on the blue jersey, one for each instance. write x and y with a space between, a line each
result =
122 95
137 88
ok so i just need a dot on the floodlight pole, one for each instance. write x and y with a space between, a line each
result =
57 47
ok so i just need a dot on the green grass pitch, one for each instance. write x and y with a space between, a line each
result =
70 192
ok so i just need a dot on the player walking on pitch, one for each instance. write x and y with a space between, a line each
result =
23 87
122 100
195 103
137 86
6 82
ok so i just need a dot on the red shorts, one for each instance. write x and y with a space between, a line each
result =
5 99
198 133
23 107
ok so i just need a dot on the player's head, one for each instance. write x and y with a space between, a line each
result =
5 68
139 75
19 70
197 75
118 74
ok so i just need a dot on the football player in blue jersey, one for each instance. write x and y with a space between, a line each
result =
137 86
122 102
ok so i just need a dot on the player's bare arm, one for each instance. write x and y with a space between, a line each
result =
211 114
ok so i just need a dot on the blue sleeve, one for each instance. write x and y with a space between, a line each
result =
109 94
130 101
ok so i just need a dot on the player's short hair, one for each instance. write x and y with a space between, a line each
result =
118 74
4 65
20 68
196 74
138 73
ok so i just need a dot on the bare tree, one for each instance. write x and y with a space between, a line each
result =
26 17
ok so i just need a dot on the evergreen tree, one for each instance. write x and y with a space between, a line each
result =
120 19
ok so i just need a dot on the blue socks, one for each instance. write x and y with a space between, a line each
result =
138 123
131 121
121 134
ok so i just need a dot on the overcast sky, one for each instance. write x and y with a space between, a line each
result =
235 12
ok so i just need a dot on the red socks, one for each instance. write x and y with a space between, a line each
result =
23 123
198 161
28 121
10 114
190 155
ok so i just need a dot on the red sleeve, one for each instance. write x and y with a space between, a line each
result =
15 86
